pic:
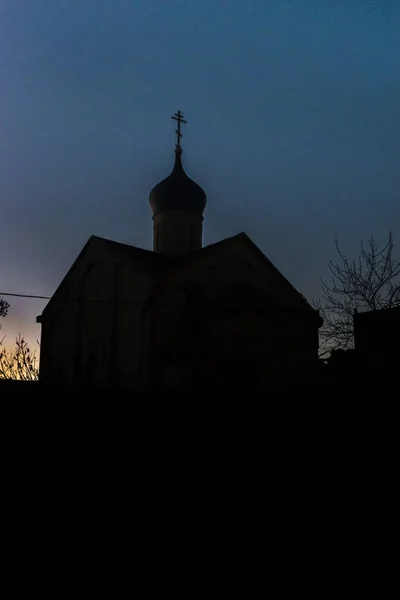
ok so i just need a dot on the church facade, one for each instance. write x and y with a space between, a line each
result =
181 317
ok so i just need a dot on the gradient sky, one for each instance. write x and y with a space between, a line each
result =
293 112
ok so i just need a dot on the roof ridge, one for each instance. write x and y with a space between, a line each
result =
131 246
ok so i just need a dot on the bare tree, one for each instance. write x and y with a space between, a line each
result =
370 282
4 306
19 362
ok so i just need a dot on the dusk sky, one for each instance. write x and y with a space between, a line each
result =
293 111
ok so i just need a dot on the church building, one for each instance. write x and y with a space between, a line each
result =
182 317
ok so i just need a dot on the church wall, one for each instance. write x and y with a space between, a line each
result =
269 349
60 326
75 330
273 347
256 350
58 345
103 341
95 333
134 288
169 319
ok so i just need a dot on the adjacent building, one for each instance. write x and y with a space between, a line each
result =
376 338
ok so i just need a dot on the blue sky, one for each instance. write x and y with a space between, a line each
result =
293 112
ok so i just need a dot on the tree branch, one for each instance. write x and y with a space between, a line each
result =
372 281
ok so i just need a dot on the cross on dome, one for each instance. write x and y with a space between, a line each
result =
178 116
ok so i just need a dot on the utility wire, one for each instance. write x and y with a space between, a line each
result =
25 296
74 299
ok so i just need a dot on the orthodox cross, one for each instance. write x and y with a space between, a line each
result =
178 116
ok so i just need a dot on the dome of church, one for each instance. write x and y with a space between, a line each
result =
178 191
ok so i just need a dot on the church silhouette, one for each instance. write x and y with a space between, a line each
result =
182 317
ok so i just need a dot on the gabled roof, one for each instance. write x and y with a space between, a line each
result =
245 237
158 264
66 277
208 250
151 260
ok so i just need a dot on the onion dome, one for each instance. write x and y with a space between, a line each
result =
178 192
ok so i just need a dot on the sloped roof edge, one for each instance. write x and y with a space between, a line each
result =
247 239
66 276
95 239
271 264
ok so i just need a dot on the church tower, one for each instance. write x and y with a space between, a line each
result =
178 204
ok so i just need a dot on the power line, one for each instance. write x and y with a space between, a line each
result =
74 299
25 296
